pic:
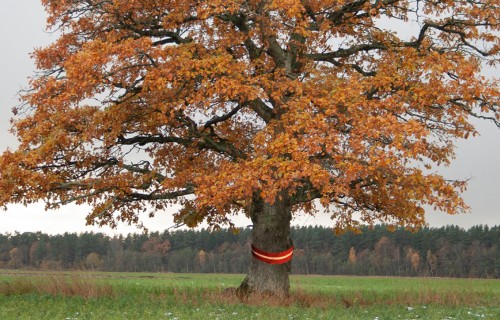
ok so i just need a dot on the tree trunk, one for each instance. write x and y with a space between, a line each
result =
270 233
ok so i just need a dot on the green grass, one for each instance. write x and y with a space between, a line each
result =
195 296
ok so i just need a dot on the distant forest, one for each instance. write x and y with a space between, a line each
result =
443 252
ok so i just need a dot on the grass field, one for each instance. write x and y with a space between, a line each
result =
96 295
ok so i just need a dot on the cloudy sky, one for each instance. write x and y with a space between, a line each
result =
23 28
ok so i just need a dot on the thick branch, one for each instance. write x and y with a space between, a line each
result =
136 196
211 141
262 110
344 53
351 7
452 26
146 139
223 118
240 20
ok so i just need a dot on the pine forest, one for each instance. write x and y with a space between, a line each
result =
436 252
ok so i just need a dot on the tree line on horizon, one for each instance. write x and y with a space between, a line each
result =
448 251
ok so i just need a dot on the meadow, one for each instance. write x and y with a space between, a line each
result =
100 295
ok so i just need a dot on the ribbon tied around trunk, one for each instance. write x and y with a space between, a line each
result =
272 257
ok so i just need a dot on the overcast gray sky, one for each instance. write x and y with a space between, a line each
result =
23 28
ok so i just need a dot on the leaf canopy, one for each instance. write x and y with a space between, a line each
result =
141 104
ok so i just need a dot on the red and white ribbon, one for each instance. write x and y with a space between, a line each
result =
272 257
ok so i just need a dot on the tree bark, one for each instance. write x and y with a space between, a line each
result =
270 233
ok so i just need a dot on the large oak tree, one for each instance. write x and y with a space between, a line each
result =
255 107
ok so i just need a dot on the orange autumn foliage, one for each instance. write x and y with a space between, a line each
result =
140 105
